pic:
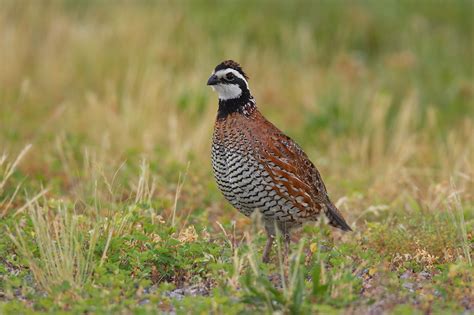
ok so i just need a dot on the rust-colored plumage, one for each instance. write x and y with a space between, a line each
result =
257 167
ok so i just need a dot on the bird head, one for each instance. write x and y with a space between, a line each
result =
229 81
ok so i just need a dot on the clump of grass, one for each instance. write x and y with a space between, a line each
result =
307 281
302 287
284 294
60 249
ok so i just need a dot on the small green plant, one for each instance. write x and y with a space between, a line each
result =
293 292
320 290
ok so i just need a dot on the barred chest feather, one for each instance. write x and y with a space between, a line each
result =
242 179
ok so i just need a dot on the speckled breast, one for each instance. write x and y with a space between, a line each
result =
240 176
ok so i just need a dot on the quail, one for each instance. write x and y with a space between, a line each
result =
259 168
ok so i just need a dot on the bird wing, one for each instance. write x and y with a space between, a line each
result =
294 175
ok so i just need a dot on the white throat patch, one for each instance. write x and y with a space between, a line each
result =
227 91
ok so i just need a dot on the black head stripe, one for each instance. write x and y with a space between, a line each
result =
232 65
240 82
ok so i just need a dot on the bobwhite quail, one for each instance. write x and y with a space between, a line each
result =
258 167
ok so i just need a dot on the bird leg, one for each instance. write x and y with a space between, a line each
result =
286 239
268 248
287 244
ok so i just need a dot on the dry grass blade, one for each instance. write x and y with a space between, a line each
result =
146 185
10 168
31 201
7 170
455 207
179 187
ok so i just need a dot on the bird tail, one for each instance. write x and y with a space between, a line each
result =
335 217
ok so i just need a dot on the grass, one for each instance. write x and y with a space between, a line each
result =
62 257
107 201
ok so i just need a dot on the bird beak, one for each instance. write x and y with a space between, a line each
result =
213 80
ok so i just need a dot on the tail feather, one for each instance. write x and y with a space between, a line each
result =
335 217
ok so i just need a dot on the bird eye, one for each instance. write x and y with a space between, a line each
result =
230 76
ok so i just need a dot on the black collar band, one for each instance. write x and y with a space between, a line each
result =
242 105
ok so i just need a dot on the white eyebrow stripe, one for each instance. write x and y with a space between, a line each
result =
222 73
